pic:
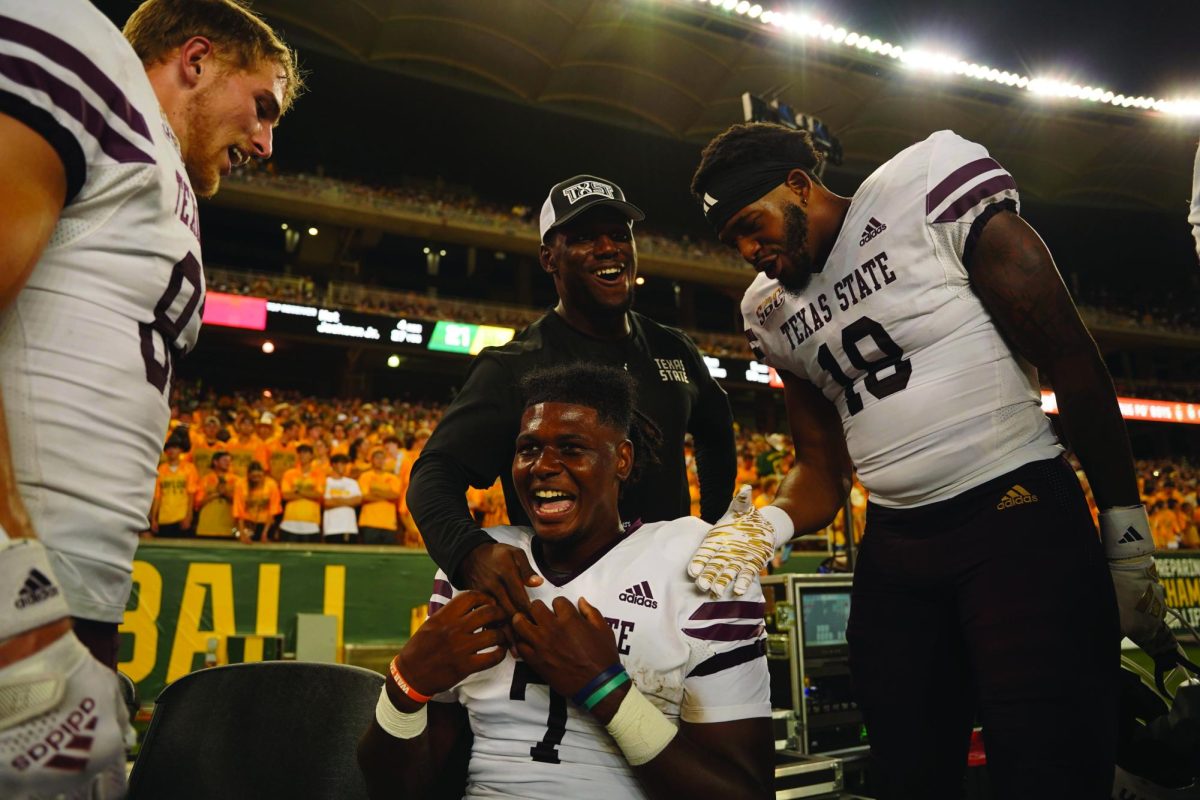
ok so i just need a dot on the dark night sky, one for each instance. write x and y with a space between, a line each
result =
1144 48
380 126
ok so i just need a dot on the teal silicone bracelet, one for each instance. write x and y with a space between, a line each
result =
605 690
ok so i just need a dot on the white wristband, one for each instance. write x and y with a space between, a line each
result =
395 722
781 523
32 596
1125 531
640 729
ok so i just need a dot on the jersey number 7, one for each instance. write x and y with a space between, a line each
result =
546 750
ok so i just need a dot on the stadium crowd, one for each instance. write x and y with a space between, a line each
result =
252 465
371 299
448 204
1144 309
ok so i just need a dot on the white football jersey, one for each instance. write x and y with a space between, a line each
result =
86 348
932 399
1194 214
694 658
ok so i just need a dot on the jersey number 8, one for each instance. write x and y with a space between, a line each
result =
169 329
893 356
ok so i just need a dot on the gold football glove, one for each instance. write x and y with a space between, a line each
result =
738 547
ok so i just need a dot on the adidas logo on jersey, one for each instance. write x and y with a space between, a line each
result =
36 589
873 229
67 746
1131 536
640 595
1016 496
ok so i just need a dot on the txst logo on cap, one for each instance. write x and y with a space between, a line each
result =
709 202
578 195
586 189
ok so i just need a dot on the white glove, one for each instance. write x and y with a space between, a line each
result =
738 547
62 719
1141 599
62 725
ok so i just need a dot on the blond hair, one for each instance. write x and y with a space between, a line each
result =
158 27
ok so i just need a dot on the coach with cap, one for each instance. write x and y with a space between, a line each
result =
587 247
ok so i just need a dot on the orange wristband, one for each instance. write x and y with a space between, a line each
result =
404 685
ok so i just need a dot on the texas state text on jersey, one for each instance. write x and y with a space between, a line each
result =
86 349
932 399
695 659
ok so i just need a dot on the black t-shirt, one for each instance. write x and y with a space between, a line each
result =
474 442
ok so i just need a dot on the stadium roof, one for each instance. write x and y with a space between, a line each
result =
678 69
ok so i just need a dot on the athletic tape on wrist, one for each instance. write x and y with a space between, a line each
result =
580 697
1125 531
395 722
781 523
31 595
640 729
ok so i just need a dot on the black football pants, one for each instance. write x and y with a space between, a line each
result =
995 605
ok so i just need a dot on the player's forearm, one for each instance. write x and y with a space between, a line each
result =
813 492
716 466
395 767
687 768
14 518
437 501
1091 419
684 769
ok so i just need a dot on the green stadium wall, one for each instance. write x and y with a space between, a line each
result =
187 592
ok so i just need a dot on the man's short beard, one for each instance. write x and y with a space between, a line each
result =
795 243
202 134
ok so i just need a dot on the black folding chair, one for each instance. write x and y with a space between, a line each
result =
262 730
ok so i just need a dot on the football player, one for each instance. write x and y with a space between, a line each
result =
629 681
105 144
908 324
1194 214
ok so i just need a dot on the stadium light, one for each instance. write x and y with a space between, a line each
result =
312 231
283 227
806 26
268 347
393 361
425 250
441 252
640 280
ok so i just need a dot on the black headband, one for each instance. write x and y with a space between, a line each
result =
728 192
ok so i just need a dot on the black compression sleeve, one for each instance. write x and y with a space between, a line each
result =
471 446
438 501
711 426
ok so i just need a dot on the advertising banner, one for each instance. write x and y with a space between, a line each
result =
186 593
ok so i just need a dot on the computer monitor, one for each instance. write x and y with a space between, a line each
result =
825 615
